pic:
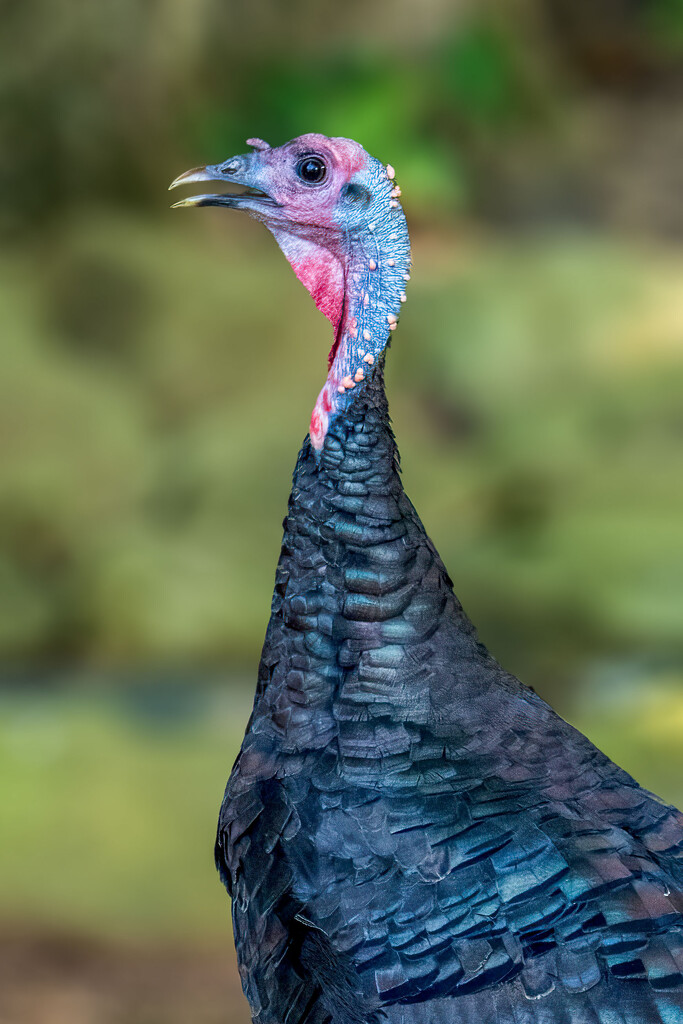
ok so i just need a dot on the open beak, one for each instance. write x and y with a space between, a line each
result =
240 170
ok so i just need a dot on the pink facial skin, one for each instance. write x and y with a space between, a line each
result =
312 206
347 242
312 239
321 271
304 224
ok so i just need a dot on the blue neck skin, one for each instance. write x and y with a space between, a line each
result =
377 269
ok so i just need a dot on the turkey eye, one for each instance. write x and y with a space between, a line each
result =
311 170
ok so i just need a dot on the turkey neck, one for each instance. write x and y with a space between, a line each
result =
359 589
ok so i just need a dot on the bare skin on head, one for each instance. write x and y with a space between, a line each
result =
334 212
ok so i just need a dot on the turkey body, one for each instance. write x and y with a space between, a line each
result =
409 834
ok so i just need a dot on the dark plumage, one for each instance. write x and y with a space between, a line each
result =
409 834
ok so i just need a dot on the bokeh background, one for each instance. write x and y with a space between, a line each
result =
158 370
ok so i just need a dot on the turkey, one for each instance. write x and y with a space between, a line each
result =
410 835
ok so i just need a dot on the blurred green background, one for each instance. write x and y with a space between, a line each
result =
158 373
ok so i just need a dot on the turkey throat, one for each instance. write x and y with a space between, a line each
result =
358 282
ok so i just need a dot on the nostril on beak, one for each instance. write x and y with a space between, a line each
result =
231 167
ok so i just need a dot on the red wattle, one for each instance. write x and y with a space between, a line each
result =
316 426
322 274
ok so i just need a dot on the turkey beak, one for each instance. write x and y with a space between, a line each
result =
239 170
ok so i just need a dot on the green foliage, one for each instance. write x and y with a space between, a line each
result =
664 20
481 80
119 95
109 818
546 461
